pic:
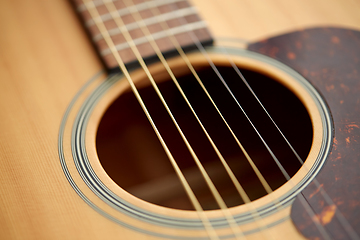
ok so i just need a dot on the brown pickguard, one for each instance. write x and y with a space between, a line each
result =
330 59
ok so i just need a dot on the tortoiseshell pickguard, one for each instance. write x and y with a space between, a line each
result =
329 58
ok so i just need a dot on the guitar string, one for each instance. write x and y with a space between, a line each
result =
121 24
169 113
310 211
177 46
343 221
182 53
117 18
345 224
243 194
101 26
137 17
306 205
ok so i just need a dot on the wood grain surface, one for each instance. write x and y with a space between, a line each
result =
46 57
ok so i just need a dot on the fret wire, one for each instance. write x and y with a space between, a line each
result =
140 6
195 202
157 35
150 21
126 11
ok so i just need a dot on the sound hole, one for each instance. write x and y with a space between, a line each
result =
133 157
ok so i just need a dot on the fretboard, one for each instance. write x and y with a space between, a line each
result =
183 26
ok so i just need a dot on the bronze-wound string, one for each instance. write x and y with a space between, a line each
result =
180 51
311 213
345 224
306 205
117 18
183 55
95 15
193 71
343 221
238 186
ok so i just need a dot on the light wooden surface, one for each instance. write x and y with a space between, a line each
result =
44 60
256 19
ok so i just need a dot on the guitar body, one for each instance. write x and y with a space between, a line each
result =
46 60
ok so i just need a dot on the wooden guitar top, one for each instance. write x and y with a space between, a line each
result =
45 59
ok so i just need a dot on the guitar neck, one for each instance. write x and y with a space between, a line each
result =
123 26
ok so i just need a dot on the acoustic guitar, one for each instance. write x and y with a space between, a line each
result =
170 119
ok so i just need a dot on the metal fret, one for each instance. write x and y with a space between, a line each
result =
158 35
150 21
179 14
132 9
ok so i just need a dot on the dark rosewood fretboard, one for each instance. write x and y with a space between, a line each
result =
181 18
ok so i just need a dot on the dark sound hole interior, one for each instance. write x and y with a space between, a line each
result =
133 157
